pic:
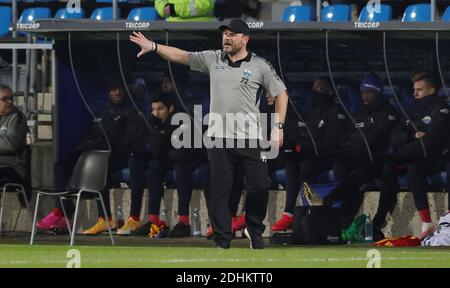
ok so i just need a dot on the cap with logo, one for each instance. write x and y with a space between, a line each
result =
236 26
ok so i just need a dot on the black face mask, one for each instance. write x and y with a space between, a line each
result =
321 99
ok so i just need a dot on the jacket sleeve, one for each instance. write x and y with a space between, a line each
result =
400 134
13 138
434 137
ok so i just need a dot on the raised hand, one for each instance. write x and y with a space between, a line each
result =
145 44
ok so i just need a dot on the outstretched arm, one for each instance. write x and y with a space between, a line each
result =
169 53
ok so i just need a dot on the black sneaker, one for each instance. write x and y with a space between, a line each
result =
180 230
256 241
222 244
378 235
143 230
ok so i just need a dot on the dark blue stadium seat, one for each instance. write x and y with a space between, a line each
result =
302 13
384 14
104 13
120 176
31 14
436 182
417 13
336 13
198 175
143 14
279 178
446 16
327 177
63 13
5 20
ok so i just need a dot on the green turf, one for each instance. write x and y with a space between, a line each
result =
189 257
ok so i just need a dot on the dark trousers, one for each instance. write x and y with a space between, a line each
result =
417 178
185 185
348 190
156 171
223 162
299 171
237 187
388 192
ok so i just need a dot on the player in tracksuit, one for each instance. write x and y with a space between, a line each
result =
375 119
327 123
417 143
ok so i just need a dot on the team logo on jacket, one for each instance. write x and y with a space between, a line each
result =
426 120
246 74
444 111
391 118
321 123
341 116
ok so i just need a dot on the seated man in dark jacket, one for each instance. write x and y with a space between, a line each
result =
327 126
417 142
13 132
357 163
121 124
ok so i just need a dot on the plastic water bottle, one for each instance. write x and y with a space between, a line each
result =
165 216
119 218
196 225
368 230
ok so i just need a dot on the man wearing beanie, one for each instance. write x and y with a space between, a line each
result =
375 119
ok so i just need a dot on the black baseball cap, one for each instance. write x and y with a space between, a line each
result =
236 26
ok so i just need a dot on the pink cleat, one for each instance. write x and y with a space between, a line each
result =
51 220
238 223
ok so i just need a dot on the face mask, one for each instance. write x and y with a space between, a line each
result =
320 98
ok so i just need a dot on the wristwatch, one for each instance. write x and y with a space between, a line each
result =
279 125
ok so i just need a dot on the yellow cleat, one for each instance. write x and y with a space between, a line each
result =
99 227
161 231
129 227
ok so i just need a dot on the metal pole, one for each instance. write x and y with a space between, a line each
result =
114 7
433 10
14 51
27 76
318 9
